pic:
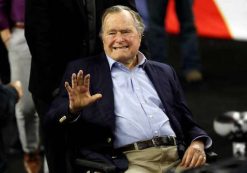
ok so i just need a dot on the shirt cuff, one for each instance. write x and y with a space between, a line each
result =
206 140
69 117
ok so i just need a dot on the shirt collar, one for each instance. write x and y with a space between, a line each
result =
141 60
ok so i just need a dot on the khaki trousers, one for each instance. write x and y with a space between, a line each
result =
26 116
153 160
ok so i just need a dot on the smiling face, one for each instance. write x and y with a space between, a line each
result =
120 37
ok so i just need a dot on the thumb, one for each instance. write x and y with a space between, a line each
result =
96 97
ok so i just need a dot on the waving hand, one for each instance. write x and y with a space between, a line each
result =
79 94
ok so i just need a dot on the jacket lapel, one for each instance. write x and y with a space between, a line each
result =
159 84
164 88
102 83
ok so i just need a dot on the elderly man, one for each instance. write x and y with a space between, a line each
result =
119 103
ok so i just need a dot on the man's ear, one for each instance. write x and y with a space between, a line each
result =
141 35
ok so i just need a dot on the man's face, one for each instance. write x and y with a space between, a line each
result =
120 37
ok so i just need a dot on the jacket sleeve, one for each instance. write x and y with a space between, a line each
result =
190 128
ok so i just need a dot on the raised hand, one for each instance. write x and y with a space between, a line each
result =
79 94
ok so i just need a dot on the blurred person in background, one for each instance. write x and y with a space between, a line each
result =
12 33
157 37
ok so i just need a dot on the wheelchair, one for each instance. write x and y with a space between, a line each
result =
92 166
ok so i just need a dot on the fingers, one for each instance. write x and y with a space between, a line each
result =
68 88
87 82
77 80
186 159
193 158
197 160
96 97
73 80
183 160
79 92
201 161
80 77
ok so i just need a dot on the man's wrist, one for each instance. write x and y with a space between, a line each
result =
69 117
74 110
73 115
207 141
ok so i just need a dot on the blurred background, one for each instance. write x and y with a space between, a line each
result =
221 27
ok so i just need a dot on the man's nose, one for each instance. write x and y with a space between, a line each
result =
119 36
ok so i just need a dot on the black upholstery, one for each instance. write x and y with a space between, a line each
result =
95 166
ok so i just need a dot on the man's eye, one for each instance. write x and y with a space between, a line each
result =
111 33
125 32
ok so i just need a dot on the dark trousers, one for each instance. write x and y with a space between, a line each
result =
54 141
157 37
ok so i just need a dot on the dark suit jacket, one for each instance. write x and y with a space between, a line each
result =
57 31
95 125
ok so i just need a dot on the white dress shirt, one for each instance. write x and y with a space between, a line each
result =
140 114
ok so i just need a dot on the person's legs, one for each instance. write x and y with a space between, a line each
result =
53 139
26 116
188 37
141 6
156 35
152 160
2 165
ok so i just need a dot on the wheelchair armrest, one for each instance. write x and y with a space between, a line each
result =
96 166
